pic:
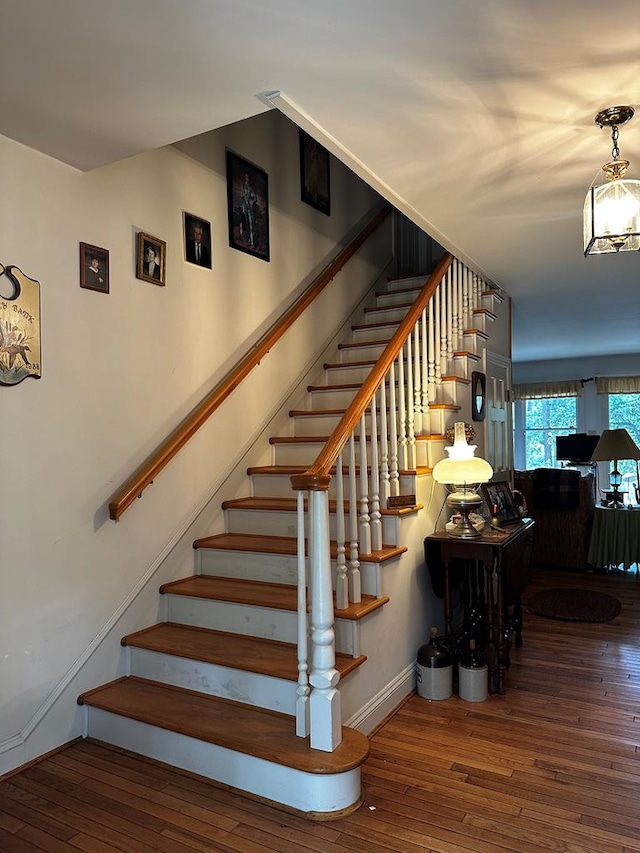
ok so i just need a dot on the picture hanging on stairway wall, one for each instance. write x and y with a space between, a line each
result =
315 185
248 207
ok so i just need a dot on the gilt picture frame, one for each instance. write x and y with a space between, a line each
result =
151 259
94 268
248 207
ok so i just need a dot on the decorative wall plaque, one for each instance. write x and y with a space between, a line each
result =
19 327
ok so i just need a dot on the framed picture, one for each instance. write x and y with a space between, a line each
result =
499 500
248 207
151 259
94 268
197 240
315 187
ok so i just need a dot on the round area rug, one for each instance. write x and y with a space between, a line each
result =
574 605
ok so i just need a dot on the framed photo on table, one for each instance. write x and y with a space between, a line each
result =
500 503
248 207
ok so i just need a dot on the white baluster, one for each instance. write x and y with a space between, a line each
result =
365 518
411 432
302 692
384 446
354 560
438 335
325 714
402 414
376 518
417 381
424 391
456 274
431 348
450 290
342 584
393 423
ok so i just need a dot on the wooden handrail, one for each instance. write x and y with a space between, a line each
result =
317 476
146 474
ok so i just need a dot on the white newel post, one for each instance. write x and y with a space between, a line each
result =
302 692
326 719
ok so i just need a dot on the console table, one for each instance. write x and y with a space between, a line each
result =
615 537
505 557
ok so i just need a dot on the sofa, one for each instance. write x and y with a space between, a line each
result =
562 504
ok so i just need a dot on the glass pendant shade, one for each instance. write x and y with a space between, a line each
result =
611 217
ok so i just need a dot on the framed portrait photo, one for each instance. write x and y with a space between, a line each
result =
94 268
151 258
197 240
248 207
499 500
315 180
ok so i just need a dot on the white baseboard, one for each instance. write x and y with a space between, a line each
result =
384 703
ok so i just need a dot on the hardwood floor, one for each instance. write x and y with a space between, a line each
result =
551 766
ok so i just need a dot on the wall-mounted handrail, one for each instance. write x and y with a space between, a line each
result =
146 474
317 477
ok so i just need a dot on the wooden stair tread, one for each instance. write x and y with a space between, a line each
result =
280 596
356 344
463 353
237 651
340 364
287 545
382 324
288 470
241 728
348 386
276 504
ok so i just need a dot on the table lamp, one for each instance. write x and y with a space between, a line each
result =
462 472
615 444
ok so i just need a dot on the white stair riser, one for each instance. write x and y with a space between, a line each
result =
417 281
279 485
361 353
275 694
375 333
284 523
253 621
342 375
306 452
482 321
314 424
299 790
330 398
274 568
387 313
464 366
395 298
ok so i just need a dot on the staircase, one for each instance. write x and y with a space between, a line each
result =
213 689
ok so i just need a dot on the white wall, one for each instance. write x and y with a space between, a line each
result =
119 372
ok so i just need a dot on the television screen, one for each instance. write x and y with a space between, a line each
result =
576 448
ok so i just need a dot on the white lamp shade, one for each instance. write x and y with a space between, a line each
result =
611 217
615 444
459 472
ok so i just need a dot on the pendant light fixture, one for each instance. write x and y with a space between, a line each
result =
611 217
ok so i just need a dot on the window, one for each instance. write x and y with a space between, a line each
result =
624 412
544 419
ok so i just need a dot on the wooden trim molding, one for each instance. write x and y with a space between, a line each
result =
145 475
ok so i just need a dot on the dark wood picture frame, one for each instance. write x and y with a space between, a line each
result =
94 268
315 177
248 207
195 227
155 274
478 396
500 503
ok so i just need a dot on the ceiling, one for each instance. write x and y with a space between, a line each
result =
474 118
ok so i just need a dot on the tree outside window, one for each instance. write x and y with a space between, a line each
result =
544 420
624 413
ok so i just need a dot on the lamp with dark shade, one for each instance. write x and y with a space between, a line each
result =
615 444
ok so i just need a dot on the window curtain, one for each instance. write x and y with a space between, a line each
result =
542 390
618 385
